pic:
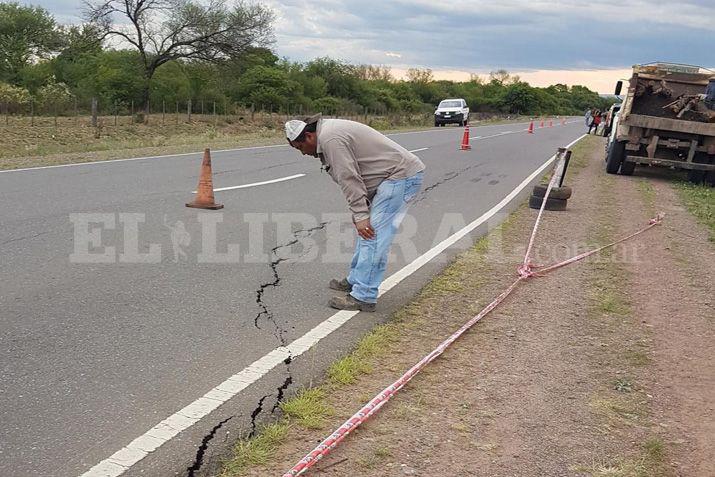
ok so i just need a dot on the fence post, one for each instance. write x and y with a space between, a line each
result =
32 112
7 113
215 120
202 107
76 112
163 111
116 113
94 112
188 109
177 112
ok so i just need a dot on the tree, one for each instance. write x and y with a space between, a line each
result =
26 33
519 98
166 30
417 75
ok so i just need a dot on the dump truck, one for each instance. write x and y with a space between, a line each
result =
667 119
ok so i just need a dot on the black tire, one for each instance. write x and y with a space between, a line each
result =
615 156
696 177
701 177
627 168
710 178
436 125
551 204
556 192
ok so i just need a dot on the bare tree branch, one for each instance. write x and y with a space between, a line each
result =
167 30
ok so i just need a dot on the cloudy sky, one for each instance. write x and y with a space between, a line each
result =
568 41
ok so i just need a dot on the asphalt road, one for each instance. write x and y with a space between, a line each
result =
95 354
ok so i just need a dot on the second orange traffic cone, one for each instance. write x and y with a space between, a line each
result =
205 191
465 139
531 128
541 125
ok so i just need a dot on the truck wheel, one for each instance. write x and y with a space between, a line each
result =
627 168
615 156
696 177
563 192
710 178
700 177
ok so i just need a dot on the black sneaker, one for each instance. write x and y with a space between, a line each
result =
340 285
348 302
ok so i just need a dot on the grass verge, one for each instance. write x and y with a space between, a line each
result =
700 201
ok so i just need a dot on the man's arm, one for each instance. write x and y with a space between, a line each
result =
344 170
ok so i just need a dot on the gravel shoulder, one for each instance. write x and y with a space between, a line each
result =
602 368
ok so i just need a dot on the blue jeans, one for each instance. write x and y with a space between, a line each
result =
386 213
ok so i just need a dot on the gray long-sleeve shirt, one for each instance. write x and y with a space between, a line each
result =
358 158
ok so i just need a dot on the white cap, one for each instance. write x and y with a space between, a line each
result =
293 128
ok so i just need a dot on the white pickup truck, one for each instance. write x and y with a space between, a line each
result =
451 111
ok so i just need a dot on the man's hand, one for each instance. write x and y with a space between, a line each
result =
364 229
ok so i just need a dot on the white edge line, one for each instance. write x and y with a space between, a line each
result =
123 459
418 150
254 184
140 158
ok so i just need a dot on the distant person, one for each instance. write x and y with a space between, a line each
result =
588 117
600 129
595 121
710 94
379 179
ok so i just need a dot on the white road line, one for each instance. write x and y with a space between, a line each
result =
139 158
123 459
254 184
281 179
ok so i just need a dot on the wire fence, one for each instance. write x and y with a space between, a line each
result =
92 113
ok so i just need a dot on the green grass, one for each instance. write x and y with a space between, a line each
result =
308 408
347 369
700 201
255 451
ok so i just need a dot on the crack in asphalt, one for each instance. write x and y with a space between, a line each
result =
268 314
265 311
281 391
446 178
255 414
25 238
199 460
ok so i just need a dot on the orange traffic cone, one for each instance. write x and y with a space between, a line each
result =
531 128
205 191
541 125
551 123
465 139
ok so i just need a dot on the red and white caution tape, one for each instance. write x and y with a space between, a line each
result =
525 270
